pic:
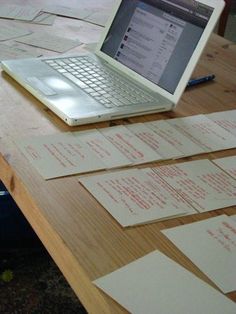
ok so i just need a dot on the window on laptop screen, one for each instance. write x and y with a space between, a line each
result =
156 38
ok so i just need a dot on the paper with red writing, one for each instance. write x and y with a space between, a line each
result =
211 245
132 197
175 138
162 147
59 155
225 119
204 132
204 185
228 164
103 149
155 284
130 145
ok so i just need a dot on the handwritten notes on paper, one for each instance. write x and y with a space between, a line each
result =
131 197
205 186
225 119
228 164
211 245
143 195
156 284
141 143
204 132
56 156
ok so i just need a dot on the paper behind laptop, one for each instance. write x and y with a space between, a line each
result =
211 245
49 41
10 32
156 284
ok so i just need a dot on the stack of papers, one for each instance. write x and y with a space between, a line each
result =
156 284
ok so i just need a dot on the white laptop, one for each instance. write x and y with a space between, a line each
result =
141 65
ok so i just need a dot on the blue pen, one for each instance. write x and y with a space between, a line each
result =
200 80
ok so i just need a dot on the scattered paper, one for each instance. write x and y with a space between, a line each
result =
130 145
156 284
99 18
49 42
211 245
103 149
18 12
163 148
204 132
11 52
204 185
178 140
225 119
44 19
228 164
10 32
68 11
59 155
132 197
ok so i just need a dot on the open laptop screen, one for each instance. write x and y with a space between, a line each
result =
156 38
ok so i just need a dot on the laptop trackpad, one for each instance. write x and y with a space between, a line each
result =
38 84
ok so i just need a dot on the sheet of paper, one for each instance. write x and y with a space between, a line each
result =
204 185
49 41
211 245
228 164
13 31
18 12
59 155
156 284
163 148
68 11
178 140
131 196
99 17
225 119
94 32
103 149
12 52
204 132
44 19
130 145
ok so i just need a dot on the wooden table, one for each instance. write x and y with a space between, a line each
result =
82 238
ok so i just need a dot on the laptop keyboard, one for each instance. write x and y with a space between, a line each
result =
109 89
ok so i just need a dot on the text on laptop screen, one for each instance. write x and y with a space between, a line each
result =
156 38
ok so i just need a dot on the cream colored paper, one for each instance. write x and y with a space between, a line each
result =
175 138
130 145
156 284
204 132
59 155
131 197
225 119
228 164
211 245
18 12
103 149
9 32
49 41
11 52
163 148
204 185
